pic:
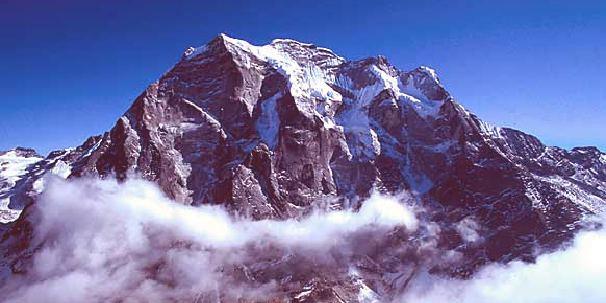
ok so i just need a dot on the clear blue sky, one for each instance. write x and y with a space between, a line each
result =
69 69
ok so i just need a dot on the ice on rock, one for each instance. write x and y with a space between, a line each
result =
431 72
268 123
306 80
13 167
490 130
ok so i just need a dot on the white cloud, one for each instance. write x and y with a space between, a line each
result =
574 275
103 240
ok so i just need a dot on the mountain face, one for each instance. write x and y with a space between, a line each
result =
275 131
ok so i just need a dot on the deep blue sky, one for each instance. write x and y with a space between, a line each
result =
68 69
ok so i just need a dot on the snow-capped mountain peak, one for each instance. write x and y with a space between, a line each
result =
280 130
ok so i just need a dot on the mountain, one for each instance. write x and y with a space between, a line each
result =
275 131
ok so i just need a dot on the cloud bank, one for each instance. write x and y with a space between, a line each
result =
573 275
103 241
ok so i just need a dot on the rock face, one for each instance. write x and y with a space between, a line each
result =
273 131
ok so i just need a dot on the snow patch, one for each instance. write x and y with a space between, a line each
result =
12 169
490 130
189 126
91 150
423 105
192 52
431 72
268 123
307 290
365 293
303 81
13 166
306 81
7 214
61 169
576 194
361 138
408 93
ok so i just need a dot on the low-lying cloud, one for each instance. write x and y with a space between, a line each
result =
574 275
103 241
